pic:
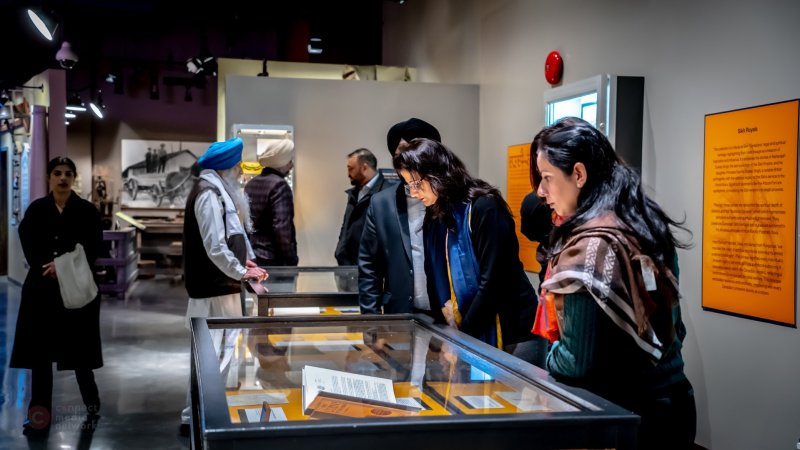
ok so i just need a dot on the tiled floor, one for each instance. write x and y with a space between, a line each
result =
142 385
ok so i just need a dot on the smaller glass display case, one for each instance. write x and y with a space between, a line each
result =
307 291
391 382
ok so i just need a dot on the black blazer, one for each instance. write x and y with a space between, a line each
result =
385 271
355 214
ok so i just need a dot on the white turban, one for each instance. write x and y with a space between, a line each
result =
277 154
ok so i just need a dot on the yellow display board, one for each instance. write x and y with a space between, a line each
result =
519 185
750 211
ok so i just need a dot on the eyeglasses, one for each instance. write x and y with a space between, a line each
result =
415 185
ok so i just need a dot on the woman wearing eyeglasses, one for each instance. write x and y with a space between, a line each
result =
471 249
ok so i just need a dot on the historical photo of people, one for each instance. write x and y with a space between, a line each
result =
158 174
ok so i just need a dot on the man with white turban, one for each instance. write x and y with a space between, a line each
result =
217 254
272 205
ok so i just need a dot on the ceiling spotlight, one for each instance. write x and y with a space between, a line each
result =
98 106
315 46
202 65
40 22
66 57
69 115
75 103
116 77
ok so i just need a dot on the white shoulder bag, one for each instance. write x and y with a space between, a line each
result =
75 278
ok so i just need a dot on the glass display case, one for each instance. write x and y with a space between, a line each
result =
251 389
307 291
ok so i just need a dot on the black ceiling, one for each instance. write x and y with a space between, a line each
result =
152 34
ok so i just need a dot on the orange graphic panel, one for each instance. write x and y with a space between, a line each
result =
750 211
519 185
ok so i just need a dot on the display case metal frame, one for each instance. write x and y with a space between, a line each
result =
598 423
267 299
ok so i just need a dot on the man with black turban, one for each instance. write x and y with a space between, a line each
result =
391 263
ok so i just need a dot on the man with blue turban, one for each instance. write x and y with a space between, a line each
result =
217 253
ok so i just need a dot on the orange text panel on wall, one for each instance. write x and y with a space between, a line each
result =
750 212
519 185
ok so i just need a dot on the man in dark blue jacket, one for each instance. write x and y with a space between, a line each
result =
391 270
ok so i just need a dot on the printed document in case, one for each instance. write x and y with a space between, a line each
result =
329 392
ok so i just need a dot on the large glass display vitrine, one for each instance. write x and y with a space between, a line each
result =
451 390
307 290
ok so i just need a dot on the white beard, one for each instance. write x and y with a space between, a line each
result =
230 180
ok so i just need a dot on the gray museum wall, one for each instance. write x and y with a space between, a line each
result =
331 118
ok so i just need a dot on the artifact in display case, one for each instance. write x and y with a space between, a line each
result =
307 291
399 381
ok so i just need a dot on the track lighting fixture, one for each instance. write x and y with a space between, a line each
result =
264 72
116 77
155 94
202 65
315 46
43 24
75 103
97 105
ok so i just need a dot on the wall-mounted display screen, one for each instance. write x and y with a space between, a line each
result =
588 99
583 106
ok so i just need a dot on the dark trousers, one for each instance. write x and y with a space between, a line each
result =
669 421
42 392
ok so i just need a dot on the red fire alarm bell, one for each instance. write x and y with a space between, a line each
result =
553 67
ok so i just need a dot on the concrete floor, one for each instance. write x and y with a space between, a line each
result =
142 384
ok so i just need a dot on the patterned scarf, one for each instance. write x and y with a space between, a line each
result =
604 259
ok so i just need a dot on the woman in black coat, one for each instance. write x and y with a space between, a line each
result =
46 331
471 250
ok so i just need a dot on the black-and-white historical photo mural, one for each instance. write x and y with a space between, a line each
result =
158 174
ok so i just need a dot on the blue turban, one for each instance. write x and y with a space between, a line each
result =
222 155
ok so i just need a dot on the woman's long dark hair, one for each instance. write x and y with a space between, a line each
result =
447 176
610 186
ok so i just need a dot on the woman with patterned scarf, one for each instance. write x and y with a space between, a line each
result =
612 283
471 251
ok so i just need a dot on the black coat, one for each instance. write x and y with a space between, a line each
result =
385 270
503 287
536 223
46 330
274 238
355 214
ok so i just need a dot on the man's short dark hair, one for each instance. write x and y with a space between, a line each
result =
365 157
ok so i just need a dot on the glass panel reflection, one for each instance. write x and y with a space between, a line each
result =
262 369
298 280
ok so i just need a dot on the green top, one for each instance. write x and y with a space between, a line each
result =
594 353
